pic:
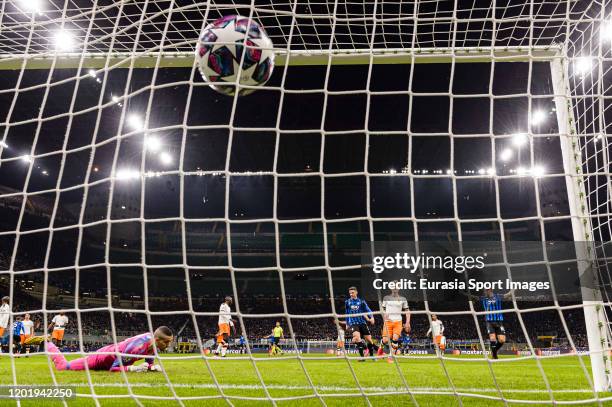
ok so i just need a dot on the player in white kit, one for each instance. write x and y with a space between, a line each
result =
225 323
394 306
28 332
58 324
340 342
437 333
5 311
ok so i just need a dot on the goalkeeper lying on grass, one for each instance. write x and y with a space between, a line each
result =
138 347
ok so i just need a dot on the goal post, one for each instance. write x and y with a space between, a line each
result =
597 325
149 59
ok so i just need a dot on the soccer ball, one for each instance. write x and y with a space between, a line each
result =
221 47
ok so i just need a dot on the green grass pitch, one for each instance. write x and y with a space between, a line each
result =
472 382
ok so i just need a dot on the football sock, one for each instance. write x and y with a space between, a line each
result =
360 347
372 348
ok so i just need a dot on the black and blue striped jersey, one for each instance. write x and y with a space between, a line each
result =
493 303
356 306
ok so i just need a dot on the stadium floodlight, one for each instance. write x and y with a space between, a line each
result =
135 121
490 171
583 65
605 32
151 174
26 158
152 143
538 171
522 171
32 6
506 154
126 174
116 100
63 40
538 117
520 139
166 158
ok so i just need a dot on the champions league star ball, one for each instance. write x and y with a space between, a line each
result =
226 42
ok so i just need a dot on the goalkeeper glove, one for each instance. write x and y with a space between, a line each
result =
138 368
155 368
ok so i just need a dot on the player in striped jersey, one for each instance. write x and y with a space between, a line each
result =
356 325
17 332
492 302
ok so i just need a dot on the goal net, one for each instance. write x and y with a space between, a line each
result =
133 195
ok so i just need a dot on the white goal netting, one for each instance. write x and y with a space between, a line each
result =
132 195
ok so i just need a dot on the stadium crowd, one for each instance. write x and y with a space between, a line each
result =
304 321
306 324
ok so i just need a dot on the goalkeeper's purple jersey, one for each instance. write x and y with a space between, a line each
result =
139 346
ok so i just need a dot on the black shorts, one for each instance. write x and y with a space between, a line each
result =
495 327
363 329
275 340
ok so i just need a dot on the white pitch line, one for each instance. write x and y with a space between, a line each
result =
389 389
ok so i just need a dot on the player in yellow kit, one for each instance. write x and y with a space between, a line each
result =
276 336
